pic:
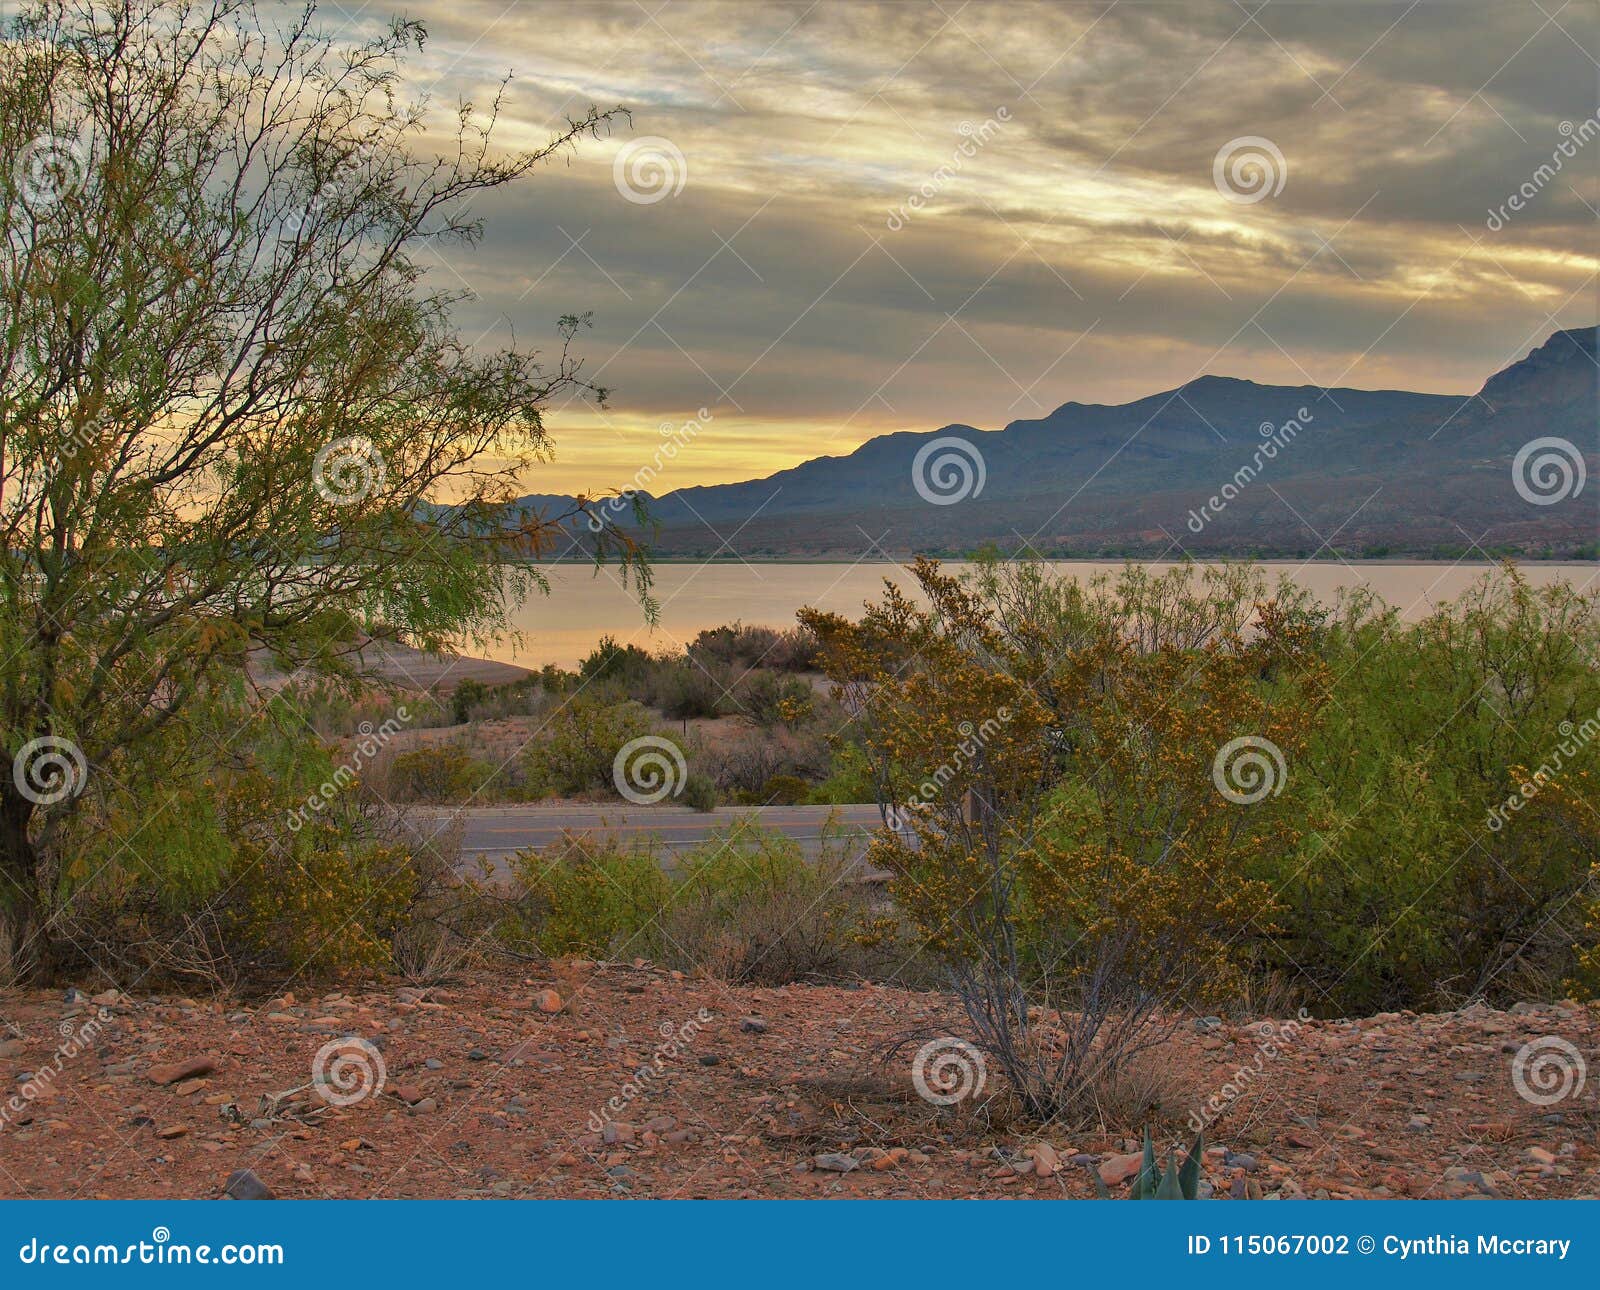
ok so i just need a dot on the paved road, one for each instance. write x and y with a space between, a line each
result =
497 831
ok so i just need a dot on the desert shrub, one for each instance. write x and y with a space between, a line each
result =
684 690
784 790
466 697
742 906
748 907
625 669
849 777
583 896
435 773
744 648
575 751
745 762
1426 890
1047 754
771 700
265 888
699 792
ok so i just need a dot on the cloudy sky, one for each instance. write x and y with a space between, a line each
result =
831 220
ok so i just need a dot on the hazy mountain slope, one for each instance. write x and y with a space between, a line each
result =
1363 469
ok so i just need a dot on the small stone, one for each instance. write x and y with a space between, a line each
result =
410 1094
710 1059
173 1131
835 1162
172 1072
752 1025
243 1184
1045 1160
191 1086
477 1055
426 1106
1119 1169
547 1001
1540 1156
434 1064
1207 1024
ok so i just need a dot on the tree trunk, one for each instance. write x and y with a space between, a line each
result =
21 927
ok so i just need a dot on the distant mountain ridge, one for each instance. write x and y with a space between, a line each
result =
1356 472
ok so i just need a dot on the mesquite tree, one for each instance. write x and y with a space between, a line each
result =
236 422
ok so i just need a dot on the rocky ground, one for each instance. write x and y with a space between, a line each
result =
632 1081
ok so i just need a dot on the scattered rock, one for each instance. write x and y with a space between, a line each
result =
172 1072
243 1184
1045 1160
752 1025
547 1001
835 1162
1119 1169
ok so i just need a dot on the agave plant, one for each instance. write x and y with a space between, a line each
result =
1176 1182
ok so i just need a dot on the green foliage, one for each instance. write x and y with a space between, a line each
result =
1423 889
582 897
230 392
575 752
625 667
699 792
1175 1182
436 773
742 906
466 697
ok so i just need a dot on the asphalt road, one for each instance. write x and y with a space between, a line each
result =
498 831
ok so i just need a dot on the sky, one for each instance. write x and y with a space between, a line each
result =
827 221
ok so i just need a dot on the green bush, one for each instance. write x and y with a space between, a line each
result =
699 793
436 773
1424 890
576 750
584 897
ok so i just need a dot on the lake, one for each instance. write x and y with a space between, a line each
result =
585 605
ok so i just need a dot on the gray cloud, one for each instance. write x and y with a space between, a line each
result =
1080 247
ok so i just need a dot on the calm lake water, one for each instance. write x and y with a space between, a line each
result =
583 606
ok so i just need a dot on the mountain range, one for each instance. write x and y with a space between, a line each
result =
1218 466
